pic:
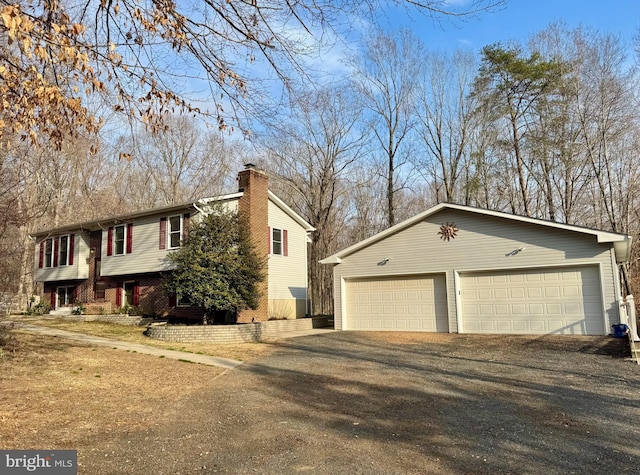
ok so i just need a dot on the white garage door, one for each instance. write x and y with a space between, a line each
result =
561 300
397 304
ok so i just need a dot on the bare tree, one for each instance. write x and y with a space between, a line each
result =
182 163
445 122
608 123
309 157
387 75
57 54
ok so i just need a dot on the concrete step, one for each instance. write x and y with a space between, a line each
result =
62 311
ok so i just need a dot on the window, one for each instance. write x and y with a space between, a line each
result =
63 255
279 242
183 301
119 239
175 231
128 294
48 253
57 251
276 241
100 290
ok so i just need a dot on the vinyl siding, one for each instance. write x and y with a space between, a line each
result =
288 274
79 269
482 243
145 256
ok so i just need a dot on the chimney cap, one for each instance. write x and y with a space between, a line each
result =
249 166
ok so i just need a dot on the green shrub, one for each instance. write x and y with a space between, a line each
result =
79 309
39 309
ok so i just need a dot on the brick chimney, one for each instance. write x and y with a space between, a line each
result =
254 206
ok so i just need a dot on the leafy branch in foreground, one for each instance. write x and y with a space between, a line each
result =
140 57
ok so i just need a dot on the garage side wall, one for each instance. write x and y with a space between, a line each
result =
482 243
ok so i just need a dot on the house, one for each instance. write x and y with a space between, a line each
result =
114 262
460 269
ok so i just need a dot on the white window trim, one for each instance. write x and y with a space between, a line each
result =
60 249
181 231
124 240
45 264
182 304
281 242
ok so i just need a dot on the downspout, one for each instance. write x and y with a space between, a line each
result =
200 210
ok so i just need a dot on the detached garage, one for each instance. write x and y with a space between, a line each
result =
460 269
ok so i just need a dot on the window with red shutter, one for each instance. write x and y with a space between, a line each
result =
129 238
110 241
185 225
72 241
56 249
285 242
136 294
162 244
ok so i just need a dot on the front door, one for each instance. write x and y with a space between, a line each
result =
64 296
129 288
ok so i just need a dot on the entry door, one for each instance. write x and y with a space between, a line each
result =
65 296
129 289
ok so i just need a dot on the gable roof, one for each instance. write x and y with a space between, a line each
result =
97 224
621 242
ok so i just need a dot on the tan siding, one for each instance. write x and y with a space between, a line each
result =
482 243
288 274
146 255
79 269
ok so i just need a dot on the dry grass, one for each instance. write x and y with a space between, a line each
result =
63 394
134 334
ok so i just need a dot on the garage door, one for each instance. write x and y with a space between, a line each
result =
560 300
415 303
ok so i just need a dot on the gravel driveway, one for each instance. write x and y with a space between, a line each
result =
389 403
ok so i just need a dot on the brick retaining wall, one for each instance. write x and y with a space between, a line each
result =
247 333
115 318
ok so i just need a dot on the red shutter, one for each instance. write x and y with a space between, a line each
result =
185 226
53 298
269 241
56 248
163 233
136 294
172 300
285 242
41 258
110 241
75 294
72 245
129 238
119 294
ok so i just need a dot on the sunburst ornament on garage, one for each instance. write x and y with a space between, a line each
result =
448 231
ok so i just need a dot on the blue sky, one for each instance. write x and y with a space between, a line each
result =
519 19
